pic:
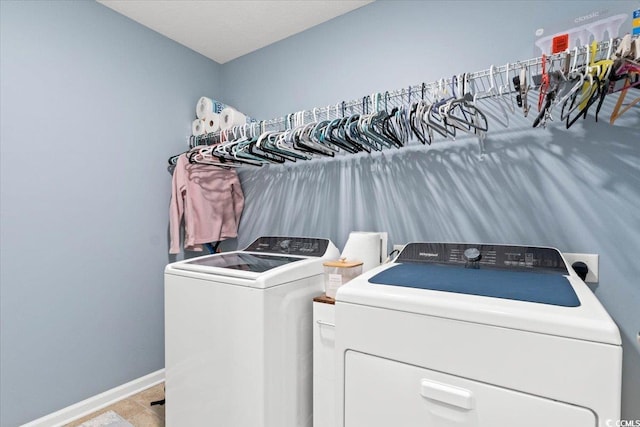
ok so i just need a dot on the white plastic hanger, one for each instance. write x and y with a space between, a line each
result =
492 96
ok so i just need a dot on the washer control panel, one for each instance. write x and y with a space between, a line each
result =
482 255
302 246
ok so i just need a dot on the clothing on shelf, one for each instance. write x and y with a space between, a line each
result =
209 199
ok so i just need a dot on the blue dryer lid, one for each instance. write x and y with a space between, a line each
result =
525 288
540 287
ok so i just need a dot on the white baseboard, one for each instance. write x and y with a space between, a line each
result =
97 402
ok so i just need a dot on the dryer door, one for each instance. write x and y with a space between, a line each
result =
381 393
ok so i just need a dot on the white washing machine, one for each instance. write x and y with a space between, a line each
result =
475 335
238 334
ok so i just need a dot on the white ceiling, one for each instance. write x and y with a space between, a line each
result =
224 30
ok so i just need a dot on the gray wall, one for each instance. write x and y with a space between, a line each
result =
577 190
391 44
92 106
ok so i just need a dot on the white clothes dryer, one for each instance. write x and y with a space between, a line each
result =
475 335
238 334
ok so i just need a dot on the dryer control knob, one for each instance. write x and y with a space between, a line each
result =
472 255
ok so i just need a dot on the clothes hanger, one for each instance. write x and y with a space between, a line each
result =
491 98
360 127
455 104
273 144
574 82
544 84
351 133
394 126
293 137
319 131
224 148
478 124
239 149
618 109
472 119
301 137
338 133
376 122
384 128
416 118
431 116
288 142
206 155
342 131
206 150
521 86
607 76
235 149
401 124
332 132
416 123
625 47
502 91
220 149
596 86
552 81
498 94
257 148
596 71
506 91
564 90
594 96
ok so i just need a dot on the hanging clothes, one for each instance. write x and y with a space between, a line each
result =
209 199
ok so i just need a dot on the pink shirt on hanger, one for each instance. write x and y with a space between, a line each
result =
210 200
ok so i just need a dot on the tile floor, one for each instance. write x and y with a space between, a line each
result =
135 409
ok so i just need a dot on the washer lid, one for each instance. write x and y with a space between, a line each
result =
268 261
243 261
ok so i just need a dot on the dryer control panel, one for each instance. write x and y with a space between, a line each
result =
303 246
476 255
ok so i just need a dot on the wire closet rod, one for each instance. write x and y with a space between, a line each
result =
419 112
416 90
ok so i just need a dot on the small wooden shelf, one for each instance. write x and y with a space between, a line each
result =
324 299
